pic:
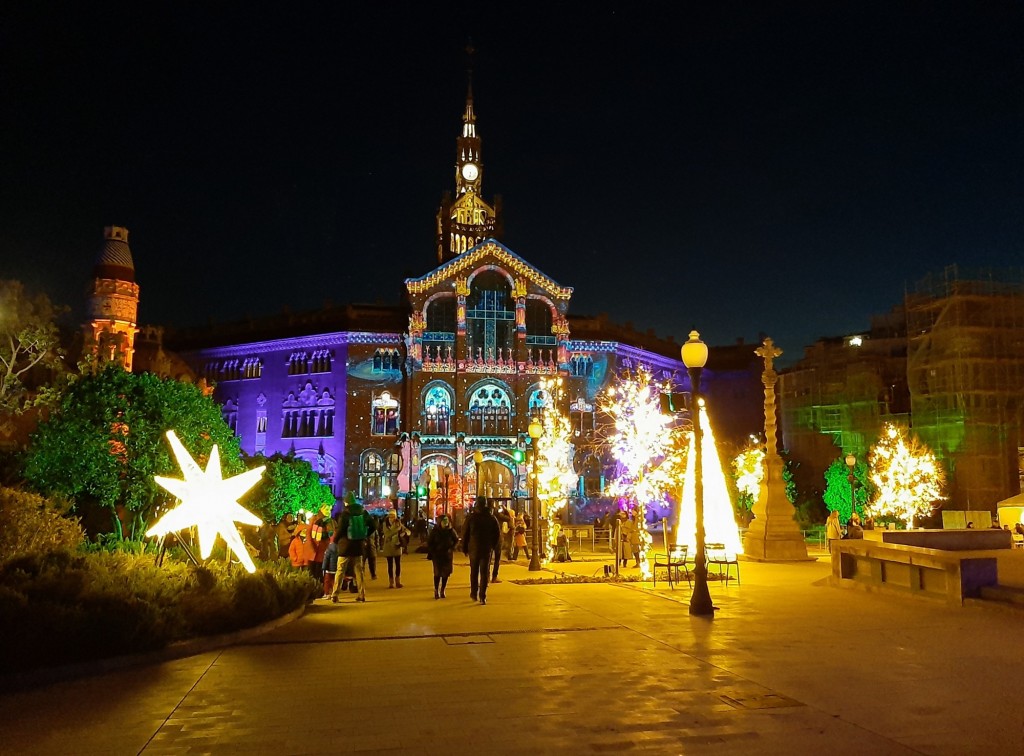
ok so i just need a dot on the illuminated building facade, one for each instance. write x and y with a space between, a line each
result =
385 400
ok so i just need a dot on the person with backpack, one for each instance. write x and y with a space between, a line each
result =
352 533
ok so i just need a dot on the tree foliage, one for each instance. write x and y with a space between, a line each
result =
837 488
647 445
29 340
105 441
289 484
907 475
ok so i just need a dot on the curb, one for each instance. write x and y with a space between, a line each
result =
22 681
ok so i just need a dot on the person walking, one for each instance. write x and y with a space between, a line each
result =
441 545
833 528
352 533
330 567
391 548
479 537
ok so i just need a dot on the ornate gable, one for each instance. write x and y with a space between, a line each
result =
487 252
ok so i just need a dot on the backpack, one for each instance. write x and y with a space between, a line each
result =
357 529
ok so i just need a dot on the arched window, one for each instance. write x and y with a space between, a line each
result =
582 365
439 338
437 409
371 474
538 323
581 416
385 360
538 399
490 411
384 421
490 315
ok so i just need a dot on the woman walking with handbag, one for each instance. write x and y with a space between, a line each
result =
441 551
393 533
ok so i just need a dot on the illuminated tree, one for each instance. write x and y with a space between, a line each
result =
105 440
28 341
906 474
748 469
645 444
837 488
556 476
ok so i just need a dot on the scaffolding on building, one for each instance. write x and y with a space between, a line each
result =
965 371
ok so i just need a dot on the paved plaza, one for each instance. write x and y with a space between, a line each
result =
789 665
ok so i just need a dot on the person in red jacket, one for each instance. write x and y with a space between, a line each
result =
297 549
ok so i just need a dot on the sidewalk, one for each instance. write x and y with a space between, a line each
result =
788 666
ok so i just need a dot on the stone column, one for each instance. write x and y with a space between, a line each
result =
773 536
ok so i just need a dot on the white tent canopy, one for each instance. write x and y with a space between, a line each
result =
1011 511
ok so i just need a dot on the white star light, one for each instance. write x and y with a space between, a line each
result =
209 502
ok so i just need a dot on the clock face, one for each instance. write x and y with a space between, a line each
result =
470 172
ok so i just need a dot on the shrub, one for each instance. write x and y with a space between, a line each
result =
30 524
58 607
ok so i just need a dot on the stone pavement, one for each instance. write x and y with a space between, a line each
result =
788 666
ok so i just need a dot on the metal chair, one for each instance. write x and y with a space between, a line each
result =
717 554
673 561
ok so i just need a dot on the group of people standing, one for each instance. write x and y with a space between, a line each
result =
341 559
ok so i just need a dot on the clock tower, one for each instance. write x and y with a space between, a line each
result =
113 301
467 220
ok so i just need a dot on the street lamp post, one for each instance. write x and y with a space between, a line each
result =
536 431
695 356
851 461
478 460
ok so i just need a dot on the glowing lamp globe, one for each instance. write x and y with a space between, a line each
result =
694 351
536 429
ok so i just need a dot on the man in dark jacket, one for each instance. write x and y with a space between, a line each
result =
353 529
480 535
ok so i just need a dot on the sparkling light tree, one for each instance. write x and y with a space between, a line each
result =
556 476
719 516
748 470
906 475
645 445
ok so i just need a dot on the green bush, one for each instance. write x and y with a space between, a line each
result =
30 524
59 608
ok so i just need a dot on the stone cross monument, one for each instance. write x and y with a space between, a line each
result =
773 536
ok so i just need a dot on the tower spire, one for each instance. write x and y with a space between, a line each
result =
469 117
466 220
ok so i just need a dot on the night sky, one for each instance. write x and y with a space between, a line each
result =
742 169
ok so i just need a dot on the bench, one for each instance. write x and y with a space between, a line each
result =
674 561
950 576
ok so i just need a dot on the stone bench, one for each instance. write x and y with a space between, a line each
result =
951 576
965 539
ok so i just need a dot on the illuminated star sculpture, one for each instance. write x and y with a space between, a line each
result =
208 502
